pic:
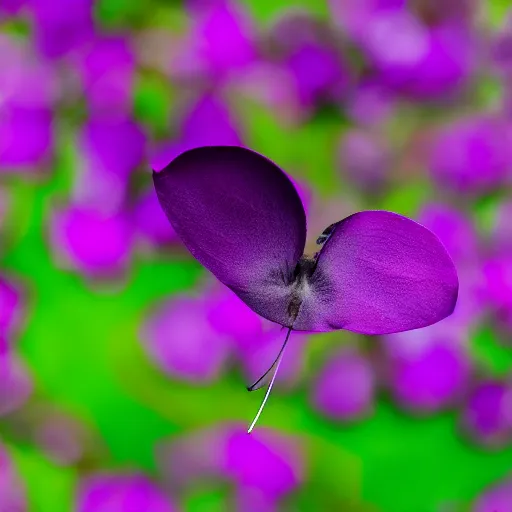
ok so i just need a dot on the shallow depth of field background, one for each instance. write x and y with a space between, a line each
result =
123 364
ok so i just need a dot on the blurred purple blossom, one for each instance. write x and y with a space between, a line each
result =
207 122
309 51
98 245
20 68
426 370
496 498
265 465
487 417
107 69
60 437
15 381
150 221
344 388
180 340
364 159
370 103
62 26
26 137
223 37
12 495
472 154
11 306
111 148
108 492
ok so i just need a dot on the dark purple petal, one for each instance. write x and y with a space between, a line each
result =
379 273
241 217
121 493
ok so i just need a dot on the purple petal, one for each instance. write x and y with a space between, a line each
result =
345 387
12 495
241 217
379 273
121 493
181 341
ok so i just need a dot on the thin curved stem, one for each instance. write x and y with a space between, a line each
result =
258 383
276 363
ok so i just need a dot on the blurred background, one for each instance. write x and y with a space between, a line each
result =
123 364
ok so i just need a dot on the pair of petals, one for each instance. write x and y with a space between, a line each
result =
241 217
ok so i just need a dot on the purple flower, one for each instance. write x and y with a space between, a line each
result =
150 221
497 498
487 416
370 104
207 122
61 438
267 466
11 305
180 340
15 381
344 389
240 216
12 495
62 26
309 51
471 155
26 137
454 228
426 370
107 69
224 37
364 158
112 148
20 68
121 493
320 74
91 242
